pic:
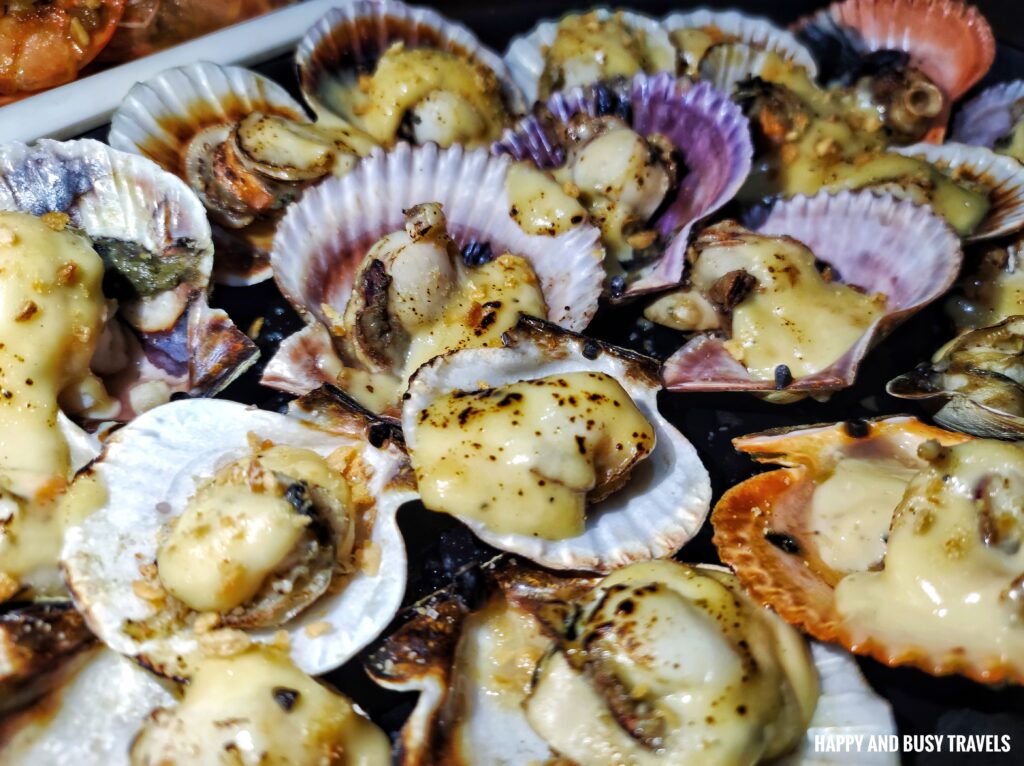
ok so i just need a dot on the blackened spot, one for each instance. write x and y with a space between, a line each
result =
464 415
581 445
477 253
618 286
783 377
591 349
378 433
782 541
626 607
285 697
488 319
857 429
511 398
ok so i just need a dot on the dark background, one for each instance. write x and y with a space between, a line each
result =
441 549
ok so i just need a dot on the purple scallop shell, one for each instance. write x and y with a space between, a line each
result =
874 241
709 130
986 118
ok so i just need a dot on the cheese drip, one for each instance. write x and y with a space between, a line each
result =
791 316
447 99
697 670
257 708
952 583
243 526
587 49
545 446
52 312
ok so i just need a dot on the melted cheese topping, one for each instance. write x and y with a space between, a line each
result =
52 312
539 204
544 444
257 708
239 528
951 586
993 294
449 99
688 662
851 510
587 49
792 317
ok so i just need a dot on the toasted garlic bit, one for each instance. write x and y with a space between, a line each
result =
777 306
668 664
622 178
814 139
549 446
52 312
587 49
415 297
261 540
950 586
255 707
424 94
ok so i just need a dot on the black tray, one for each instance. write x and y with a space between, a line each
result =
441 549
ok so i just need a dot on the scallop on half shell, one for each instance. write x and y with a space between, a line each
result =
990 117
949 41
976 381
234 137
474 663
527 55
339 56
695 32
152 231
323 241
649 511
865 239
708 131
851 499
155 469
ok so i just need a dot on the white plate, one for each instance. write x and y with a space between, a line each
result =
87 103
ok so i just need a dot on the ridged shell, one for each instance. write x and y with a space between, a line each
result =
949 40
124 198
323 238
89 719
755 31
986 117
158 458
421 657
353 36
659 509
708 129
1004 176
160 117
865 238
982 395
525 55
798 586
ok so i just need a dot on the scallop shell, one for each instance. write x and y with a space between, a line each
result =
791 578
987 117
153 464
865 238
1004 176
661 507
421 657
160 117
757 32
970 399
323 238
708 129
948 40
115 197
89 719
525 54
352 37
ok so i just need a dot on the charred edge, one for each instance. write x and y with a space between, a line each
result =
544 333
332 404
784 542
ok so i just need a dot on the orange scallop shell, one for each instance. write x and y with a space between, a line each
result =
798 585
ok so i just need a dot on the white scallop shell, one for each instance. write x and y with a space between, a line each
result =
524 56
986 117
373 25
1004 176
157 459
755 31
90 719
666 499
